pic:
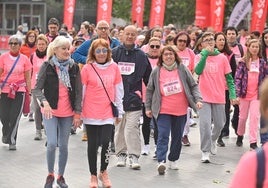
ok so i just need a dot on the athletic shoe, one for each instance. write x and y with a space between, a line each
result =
205 157
220 142
173 165
38 135
84 136
161 168
122 158
103 176
49 181
239 141
12 147
253 146
213 149
134 163
145 150
93 182
61 182
185 141
4 140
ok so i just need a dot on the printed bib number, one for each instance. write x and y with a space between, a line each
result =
126 68
171 88
254 67
185 61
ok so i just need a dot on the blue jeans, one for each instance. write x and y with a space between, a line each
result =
57 130
166 124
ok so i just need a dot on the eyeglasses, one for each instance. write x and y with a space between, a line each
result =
13 43
180 40
102 50
208 40
103 28
155 46
168 54
31 36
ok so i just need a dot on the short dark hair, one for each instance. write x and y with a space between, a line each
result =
231 28
54 21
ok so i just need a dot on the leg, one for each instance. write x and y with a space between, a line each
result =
177 127
4 116
235 118
164 126
243 115
64 129
51 127
218 119
119 137
106 131
205 127
92 147
254 120
146 127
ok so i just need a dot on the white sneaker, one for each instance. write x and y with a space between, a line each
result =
205 157
145 150
122 158
213 149
161 168
134 163
173 165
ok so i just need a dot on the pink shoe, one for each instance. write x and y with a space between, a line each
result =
103 176
94 182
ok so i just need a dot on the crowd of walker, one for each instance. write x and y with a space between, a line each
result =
111 80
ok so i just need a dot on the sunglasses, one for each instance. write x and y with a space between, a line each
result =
180 40
155 46
103 50
13 43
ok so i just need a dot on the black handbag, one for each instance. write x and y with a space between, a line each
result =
114 108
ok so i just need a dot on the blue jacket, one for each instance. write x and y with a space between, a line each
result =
133 82
80 54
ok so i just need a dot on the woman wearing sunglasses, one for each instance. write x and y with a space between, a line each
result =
15 80
171 89
102 84
182 42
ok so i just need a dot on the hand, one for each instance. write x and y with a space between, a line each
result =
149 113
117 121
235 101
199 105
210 49
47 110
77 122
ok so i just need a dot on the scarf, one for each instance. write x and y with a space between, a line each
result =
41 54
171 67
63 67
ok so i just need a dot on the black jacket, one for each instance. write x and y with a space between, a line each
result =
133 82
47 86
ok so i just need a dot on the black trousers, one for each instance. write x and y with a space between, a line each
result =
10 114
98 134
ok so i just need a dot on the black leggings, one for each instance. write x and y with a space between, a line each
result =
96 134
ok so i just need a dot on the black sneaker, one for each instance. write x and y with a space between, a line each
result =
239 141
220 142
49 181
253 146
61 182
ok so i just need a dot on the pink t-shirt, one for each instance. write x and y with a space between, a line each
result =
17 75
96 104
153 63
37 62
245 174
253 79
237 53
64 104
174 101
64 108
187 56
212 80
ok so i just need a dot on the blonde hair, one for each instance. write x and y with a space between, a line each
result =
57 42
248 55
42 37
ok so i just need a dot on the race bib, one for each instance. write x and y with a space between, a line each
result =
126 68
185 61
254 67
171 88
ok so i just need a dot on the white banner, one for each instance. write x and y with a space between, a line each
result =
240 10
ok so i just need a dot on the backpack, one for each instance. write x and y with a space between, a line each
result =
260 167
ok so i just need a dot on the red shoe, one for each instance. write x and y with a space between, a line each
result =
103 176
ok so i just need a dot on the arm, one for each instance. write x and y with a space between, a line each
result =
202 63
119 94
149 95
27 77
231 86
147 73
80 54
78 90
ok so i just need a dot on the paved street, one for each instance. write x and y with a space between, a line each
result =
26 167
